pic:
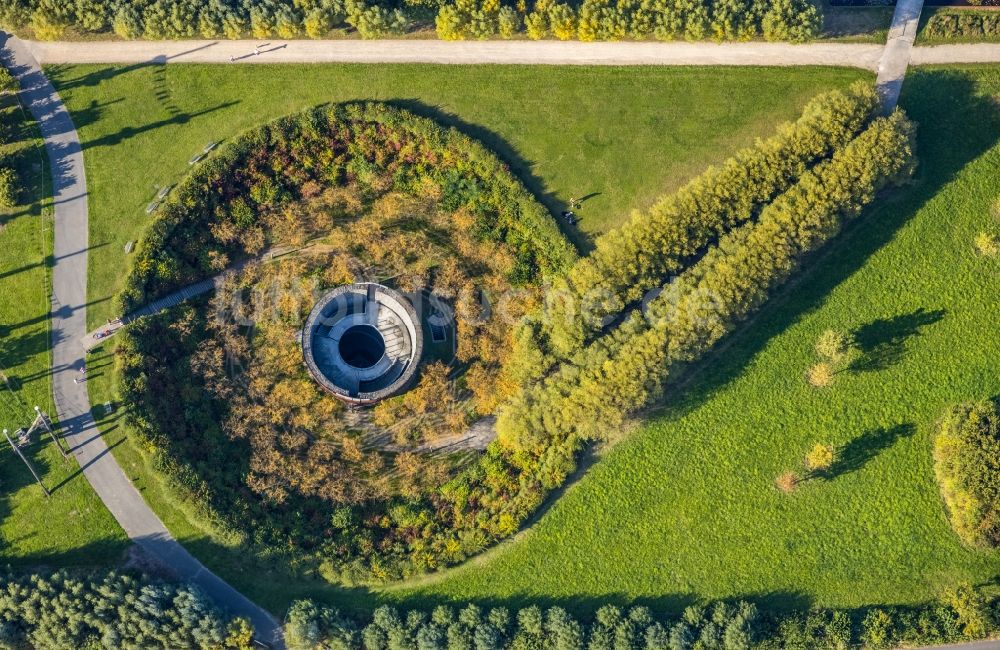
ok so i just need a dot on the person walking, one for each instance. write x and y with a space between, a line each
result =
256 51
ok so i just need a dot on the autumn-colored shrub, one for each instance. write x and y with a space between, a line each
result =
966 462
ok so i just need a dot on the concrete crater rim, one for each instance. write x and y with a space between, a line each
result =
362 342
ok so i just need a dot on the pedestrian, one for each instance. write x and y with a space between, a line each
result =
83 370
232 58
256 51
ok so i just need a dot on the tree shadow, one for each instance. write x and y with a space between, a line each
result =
882 342
521 168
856 454
956 126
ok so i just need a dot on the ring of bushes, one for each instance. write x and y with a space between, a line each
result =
253 469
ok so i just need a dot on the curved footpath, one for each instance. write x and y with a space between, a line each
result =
69 324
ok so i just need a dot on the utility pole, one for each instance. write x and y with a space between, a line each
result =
42 422
31 468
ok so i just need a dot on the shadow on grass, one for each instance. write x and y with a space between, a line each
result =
520 167
856 454
882 342
955 126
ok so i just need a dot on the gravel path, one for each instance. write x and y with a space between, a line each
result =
461 52
867 56
69 324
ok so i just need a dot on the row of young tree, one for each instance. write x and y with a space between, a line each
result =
793 20
61 610
656 243
963 24
10 117
603 20
962 613
621 371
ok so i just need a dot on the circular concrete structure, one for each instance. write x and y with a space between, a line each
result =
362 342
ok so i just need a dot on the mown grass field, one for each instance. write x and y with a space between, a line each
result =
685 507
624 134
71 527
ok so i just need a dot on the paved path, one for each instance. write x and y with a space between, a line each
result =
462 52
867 56
972 645
69 323
896 56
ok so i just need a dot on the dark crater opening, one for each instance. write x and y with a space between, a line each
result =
362 346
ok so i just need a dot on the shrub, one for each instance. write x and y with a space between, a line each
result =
949 24
8 188
833 346
877 630
821 457
8 83
974 613
787 481
966 450
987 244
820 374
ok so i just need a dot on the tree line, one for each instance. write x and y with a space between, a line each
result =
55 611
620 372
10 121
589 20
654 244
962 613
126 611
604 20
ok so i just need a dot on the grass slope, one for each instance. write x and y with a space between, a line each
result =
625 133
687 506
71 527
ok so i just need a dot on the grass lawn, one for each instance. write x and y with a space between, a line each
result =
856 24
687 506
71 527
623 134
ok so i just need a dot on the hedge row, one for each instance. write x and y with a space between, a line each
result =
603 20
963 24
963 614
110 610
965 461
376 144
655 244
9 184
794 20
621 371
